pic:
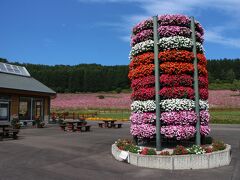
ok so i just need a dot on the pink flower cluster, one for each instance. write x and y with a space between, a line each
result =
143 130
179 117
179 20
143 118
142 36
168 20
165 31
204 117
205 130
178 132
184 117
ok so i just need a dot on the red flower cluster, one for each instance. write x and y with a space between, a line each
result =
203 92
182 92
176 68
144 82
181 68
142 59
177 92
143 94
181 56
203 81
176 80
168 80
141 71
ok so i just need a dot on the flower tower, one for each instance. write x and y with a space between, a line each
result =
178 118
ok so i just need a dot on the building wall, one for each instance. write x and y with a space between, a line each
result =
46 109
14 101
14 106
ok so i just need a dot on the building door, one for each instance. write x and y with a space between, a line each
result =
30 109
37 109
4 111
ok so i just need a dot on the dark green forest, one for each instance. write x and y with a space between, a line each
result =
223 74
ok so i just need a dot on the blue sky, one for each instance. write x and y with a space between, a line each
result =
98 31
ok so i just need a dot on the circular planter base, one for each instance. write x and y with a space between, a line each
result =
175 162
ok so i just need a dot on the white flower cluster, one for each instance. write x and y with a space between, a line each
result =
204 104
142 47
143 106
178 42
168 105
181 104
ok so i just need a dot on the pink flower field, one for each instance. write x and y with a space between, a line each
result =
91 100
217 98
224 98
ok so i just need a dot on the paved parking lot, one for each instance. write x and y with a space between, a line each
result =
50 153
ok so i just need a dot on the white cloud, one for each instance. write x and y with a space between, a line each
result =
125 38
190 7
215 37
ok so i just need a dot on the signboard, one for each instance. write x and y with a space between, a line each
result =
123 155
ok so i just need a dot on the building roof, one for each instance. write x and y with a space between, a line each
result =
24 83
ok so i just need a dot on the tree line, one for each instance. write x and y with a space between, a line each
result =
96 77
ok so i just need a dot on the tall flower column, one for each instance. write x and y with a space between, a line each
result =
178 118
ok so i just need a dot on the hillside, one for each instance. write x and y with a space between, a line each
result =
223 74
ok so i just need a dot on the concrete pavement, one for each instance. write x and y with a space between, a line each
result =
50 153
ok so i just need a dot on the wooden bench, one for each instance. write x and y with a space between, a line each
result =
63 127
1 135
119 125
10 132
100 125
83 128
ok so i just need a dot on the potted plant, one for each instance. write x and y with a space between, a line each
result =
39 123
54 117
15 122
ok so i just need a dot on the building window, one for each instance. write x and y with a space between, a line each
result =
4 111
4 108
30 108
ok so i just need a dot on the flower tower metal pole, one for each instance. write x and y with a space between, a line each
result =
196 88
157 86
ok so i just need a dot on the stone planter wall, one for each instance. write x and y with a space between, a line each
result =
177 162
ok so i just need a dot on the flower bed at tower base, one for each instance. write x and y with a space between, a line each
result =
177 162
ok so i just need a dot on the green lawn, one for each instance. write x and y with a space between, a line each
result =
225 116
218 116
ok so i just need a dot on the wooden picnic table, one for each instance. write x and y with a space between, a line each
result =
70 124
79 125
110 124
4 125
6 130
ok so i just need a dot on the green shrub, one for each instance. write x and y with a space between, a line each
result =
151 152
131 148
165 153
118 90
101 97
180 150
208 140
195 149
218 146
